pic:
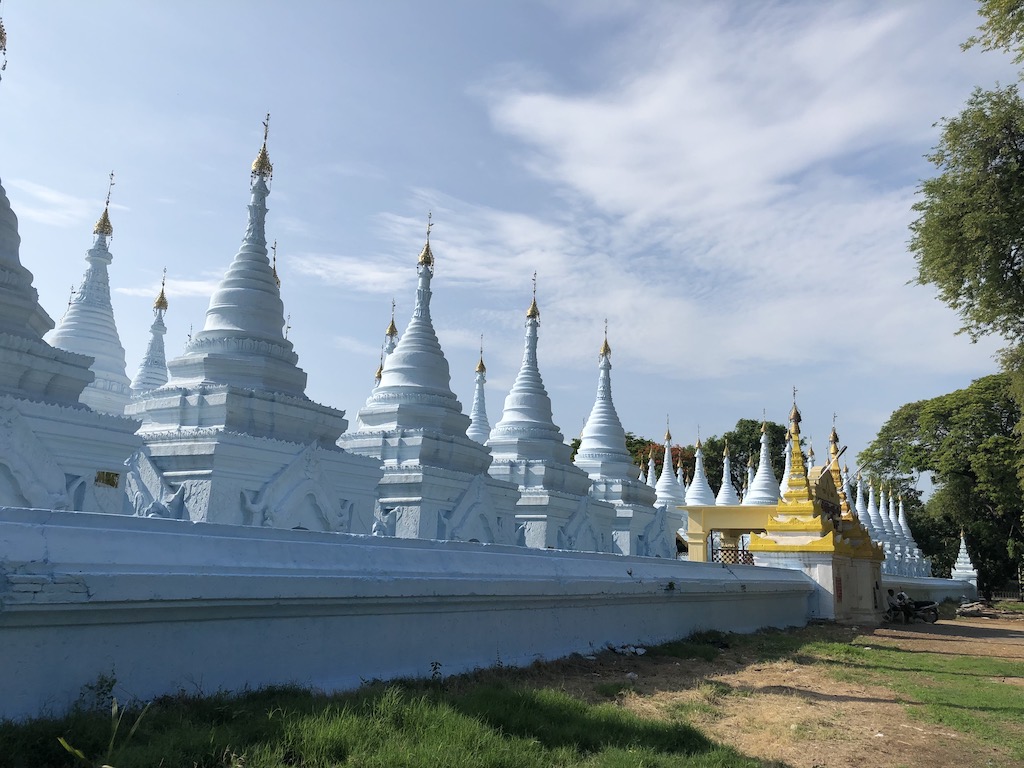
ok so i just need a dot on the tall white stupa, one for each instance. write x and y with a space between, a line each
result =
556 508
88 326
55 453
640 528
152 371
764 487
436 483
479 426
231 437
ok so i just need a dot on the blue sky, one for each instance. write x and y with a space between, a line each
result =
728 183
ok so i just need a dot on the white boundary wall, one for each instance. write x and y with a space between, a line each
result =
929 587
165 605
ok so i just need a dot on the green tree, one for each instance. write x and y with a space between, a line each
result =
966 441
1002 28
968 239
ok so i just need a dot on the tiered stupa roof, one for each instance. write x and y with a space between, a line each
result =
667 488
602 453
31 368
242 342
240 370
152 371
764 488
727 496
88 326
479 427
699 493
964 568
415 391
526 433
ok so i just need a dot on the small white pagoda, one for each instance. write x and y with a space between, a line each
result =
436 483
556 509
643 525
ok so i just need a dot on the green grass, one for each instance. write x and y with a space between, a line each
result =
1009 605
497 718
964 693
414 724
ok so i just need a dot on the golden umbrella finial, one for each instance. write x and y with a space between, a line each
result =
262 166
480 367
103 226
161 299
533 313
426 258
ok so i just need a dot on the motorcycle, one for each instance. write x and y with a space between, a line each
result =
924 610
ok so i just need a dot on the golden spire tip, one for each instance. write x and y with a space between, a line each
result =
161 299
262 166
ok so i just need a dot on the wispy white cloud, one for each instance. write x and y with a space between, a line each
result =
175 288
51 207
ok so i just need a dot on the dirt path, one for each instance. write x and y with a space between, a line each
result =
792 712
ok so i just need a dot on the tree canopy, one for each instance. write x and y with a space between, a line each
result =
965 440
969 237
1002 28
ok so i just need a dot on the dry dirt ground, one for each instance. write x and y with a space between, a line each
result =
792 712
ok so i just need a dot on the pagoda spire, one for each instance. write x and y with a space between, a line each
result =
874 518
243 341
152 371
727 496
527 414
699 493
88 326
787 453
417 363
602 453
667 486
479 426
764 488
391 335
652 475
799 486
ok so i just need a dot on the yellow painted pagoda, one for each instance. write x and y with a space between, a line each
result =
811 528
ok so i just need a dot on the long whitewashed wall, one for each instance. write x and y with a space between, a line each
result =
165 605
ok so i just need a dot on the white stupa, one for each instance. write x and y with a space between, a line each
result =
479 426
435 484
231 437
788 455
555 508
963 568
764 488
669 492
152 371
54 452
640 528
88 327
699 493
727 496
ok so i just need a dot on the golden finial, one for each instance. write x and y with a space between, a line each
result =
426 255
480 367
161 299
103 226
668 432
380 368
533 313
605 348
273 264
725 452
392 330
261 166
